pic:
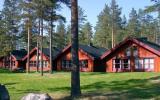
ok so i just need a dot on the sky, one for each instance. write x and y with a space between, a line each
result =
94 7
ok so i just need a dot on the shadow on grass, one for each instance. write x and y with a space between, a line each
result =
7 71
11 83
28 91
2 70
126 89
92 73
59 89
133 88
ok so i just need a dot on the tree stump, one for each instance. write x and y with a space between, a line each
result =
4 95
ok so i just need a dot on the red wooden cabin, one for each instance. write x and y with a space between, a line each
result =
2 64
46 59
133 54
89 58
14 60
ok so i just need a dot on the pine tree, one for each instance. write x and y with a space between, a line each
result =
109 26
157 25
68 35
5 46
155 8
59 36
115 21
86 34
81 17
102 37
75 74
123 32
10 19
133 24
53 16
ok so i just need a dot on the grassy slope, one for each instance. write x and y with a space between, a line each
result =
93 85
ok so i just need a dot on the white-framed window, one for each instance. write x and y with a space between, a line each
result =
63 63
31 63
121 63
66 63
128 52
125 63
146 63
138 63
34 63
39 57
135 52
45 63
83 64
117 63
149 63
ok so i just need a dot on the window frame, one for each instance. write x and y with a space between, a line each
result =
83 63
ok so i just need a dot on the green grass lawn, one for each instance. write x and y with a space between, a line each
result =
93 85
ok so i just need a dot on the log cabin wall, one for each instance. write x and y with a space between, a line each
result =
139 60
83 57
1 62
33 59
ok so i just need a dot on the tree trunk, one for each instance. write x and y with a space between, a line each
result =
112 37
10 63
41 39
75 75
37 62
50 46
41 47
28 58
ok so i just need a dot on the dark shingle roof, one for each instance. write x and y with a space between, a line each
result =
55 52
150 44
95 52
19 54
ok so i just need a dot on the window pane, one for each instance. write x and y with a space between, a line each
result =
135 53
146 61
117 60
117 63
152 61
125 63
146 66
84 63
44 63
128 52
140 63
151 66
63 63
136 63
